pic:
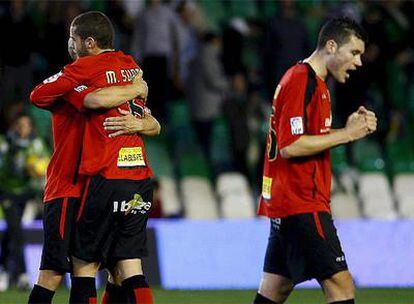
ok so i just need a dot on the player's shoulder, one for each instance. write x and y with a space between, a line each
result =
295 74
126 58
80 65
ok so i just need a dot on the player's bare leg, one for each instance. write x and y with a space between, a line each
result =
133 281
83 289
273 289
339 287
44 290
49 279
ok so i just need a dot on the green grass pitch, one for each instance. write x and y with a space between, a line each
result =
364 296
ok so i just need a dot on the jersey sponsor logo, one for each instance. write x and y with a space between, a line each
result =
296 125
130 158
328 124
267 187
133 206
80 88
53 78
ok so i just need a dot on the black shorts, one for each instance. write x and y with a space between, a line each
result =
103 232
304 246
58 219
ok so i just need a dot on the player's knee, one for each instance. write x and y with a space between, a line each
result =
275 287
114 276
129 268
339 287
49 279
84 269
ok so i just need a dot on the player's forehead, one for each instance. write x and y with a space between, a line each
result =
72 32
354 45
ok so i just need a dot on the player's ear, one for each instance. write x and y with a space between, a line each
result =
331 46
90 43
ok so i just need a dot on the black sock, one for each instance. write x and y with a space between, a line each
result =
262 300
40 295
83 290
350 301
114 294
137 290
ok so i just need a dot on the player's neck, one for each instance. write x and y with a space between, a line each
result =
97 51
317 62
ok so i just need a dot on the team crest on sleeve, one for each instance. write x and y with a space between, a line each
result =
80 88
296 125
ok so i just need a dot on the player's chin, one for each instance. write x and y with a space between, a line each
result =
341 78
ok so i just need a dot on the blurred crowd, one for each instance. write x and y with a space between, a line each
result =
211 63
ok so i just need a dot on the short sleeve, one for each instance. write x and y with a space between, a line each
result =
77 96
292 123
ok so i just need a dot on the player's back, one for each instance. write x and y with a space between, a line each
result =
62 178
121 157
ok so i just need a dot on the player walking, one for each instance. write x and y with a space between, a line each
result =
303 243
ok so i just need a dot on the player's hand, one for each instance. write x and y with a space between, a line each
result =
370 118
123 125
356 126
141 86
138 77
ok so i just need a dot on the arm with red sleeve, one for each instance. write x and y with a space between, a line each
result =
45 94
291 131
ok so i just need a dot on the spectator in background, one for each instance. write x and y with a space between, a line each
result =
286 42
209 85
155 44
23 162
189 44
123 23
236 106
17 34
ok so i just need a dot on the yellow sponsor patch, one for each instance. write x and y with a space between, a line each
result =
130 157
267 187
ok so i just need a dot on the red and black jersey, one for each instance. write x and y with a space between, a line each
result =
301 105
120 157
68 124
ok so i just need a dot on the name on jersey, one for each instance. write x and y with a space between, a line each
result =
296 125
127 75
130 158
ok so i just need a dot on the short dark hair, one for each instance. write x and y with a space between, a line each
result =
96 25
340 30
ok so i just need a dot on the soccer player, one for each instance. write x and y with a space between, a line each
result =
64 184
303 243
112 218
